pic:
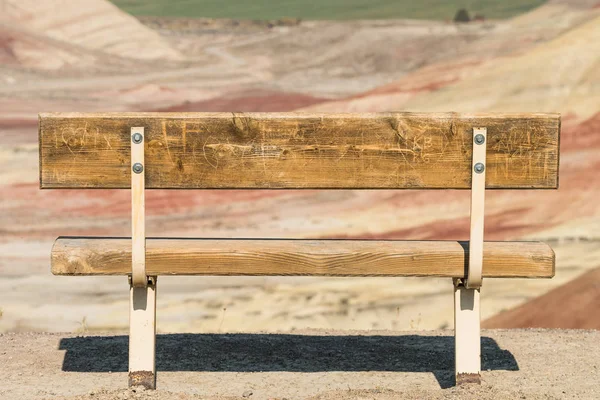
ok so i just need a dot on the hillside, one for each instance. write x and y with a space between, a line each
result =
545 60
568 306
528 72
83 34
560 75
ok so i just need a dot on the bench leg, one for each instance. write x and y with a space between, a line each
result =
142 335
467 335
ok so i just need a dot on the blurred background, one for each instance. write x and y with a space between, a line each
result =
326 55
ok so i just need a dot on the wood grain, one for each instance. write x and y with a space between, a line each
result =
294 150
112 256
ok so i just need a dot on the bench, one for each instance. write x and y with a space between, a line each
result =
139 151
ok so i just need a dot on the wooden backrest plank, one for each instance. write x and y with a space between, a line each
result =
294 150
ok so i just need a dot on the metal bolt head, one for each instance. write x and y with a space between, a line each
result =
138 168
479 168
137 138
479 138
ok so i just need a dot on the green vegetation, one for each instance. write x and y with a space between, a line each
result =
326 9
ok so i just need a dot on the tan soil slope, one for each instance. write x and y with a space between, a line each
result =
525 74
38 30
573 305
22 48
562 75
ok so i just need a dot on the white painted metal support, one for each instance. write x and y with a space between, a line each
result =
138 209
467 334
142 289
477 208
467 315
142 335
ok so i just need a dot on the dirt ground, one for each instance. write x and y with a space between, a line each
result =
517 364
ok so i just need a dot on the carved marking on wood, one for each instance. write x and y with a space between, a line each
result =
262 150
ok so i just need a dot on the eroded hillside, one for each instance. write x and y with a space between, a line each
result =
104 60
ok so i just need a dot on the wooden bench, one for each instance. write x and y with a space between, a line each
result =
141 151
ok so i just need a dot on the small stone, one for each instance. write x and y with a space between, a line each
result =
247 393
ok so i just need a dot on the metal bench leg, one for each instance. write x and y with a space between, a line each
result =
142 335
467 317
142 288
467 334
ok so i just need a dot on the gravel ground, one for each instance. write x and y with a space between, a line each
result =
328 365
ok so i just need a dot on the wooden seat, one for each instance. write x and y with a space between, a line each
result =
140 151
185 256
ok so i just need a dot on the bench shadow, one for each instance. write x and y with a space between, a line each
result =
284 352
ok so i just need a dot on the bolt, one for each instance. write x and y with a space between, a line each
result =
138 168
479 167
137 138
479 138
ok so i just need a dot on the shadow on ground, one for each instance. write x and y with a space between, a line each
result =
282 352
